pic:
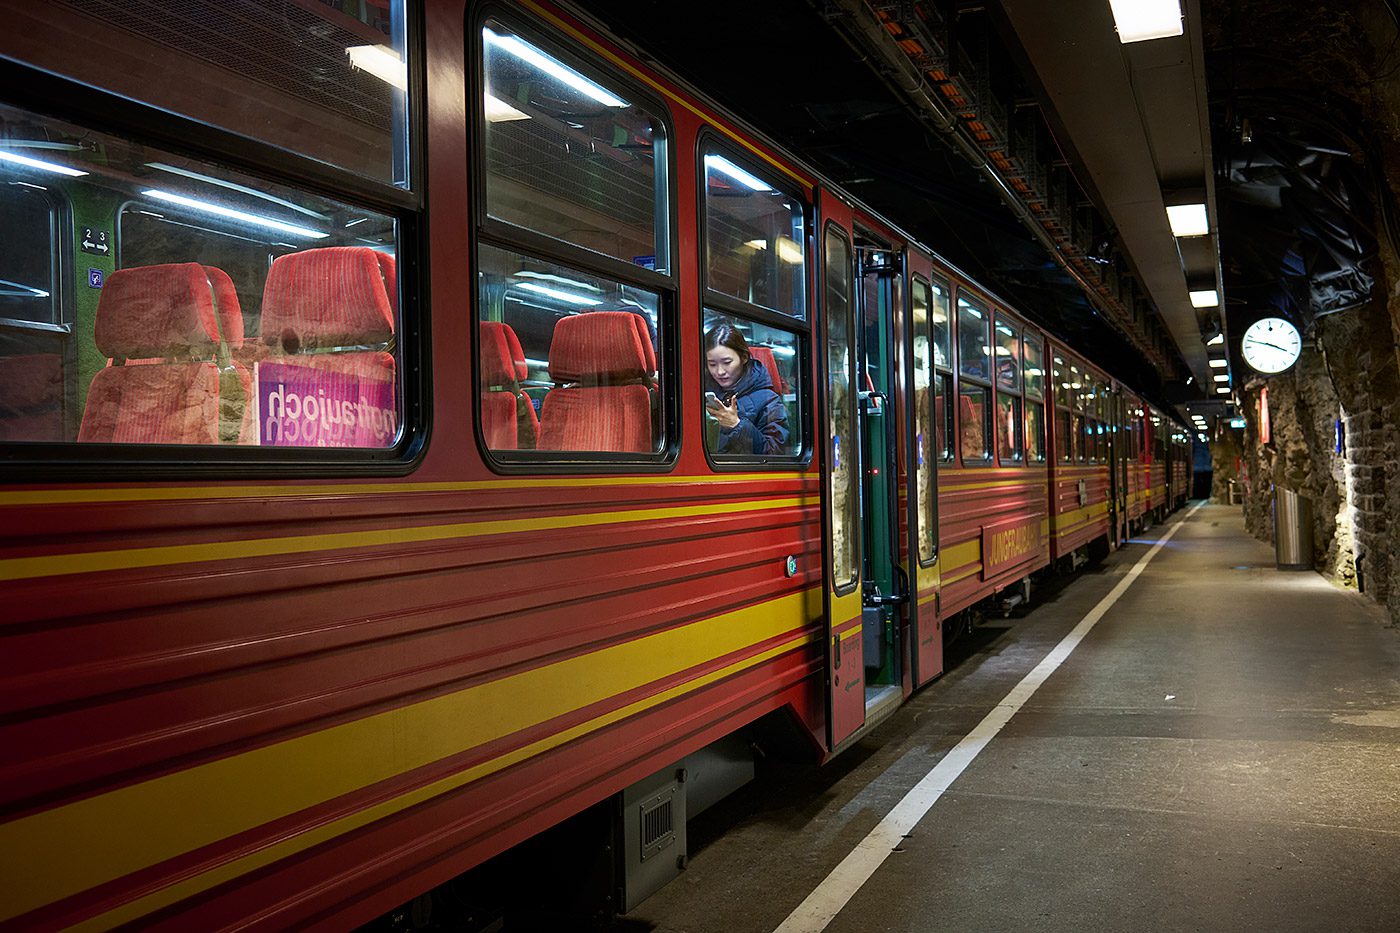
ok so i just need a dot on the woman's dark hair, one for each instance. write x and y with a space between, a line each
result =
725 335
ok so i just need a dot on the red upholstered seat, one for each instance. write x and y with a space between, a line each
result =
601 401
31 397
330 378
170 380
765 356
508 417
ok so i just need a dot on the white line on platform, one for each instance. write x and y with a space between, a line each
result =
823 904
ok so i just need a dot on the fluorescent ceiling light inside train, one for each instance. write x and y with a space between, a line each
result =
219 210
1188 219
725 167
382 62
1140 20
40 164
528 53
564 296
1205 298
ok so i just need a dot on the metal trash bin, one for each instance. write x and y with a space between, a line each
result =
1293 530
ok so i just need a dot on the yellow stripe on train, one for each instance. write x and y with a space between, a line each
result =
52 565
61 852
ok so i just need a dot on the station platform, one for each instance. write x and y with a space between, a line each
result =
1221 751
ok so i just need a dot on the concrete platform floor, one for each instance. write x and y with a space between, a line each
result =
1221 752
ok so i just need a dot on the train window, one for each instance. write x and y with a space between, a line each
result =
1064 436
840 361
1060 376
754 236
926 416
942 326
233 311
751 370
327 80
1009 429
974 351
29 289
567 360
1034 367
943 416
1080 435
1035 432
568 155
974 413
1008 354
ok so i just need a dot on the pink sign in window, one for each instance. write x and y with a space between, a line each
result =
301 406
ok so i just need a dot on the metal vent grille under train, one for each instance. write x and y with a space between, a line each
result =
658 823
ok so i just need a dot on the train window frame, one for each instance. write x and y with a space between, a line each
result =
987 385
1004 324
497 233
927 461
944 374
592 67
134 122
710 140
60 224
854 535
1034 397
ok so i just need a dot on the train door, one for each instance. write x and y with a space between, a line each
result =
925 356
1118 469
885 580
841 476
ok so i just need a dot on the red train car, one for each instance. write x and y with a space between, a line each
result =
427 422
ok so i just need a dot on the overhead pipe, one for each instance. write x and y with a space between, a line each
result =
905 78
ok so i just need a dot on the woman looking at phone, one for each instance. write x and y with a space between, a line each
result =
741 399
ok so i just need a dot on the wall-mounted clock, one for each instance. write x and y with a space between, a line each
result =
1271 345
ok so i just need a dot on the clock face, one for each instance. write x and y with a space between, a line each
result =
1271 345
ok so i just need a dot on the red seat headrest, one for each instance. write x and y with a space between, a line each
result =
497 363
226 309
336 296
765 356
157 312
597 346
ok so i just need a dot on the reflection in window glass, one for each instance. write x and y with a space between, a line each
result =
567 155
1008 354
924 423
1035 432
751 369
1035 366
28 285
324 79
1009 428
1078 435
217 325
567 359
973 416
840 361
753 238
941 317
1061 380
974 352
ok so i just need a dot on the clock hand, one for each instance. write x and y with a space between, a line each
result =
1265 343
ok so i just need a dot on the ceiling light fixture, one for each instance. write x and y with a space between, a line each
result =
382 62
1140 20
1218 363
1216 341
528 53
1188 219
1205 298
725 167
